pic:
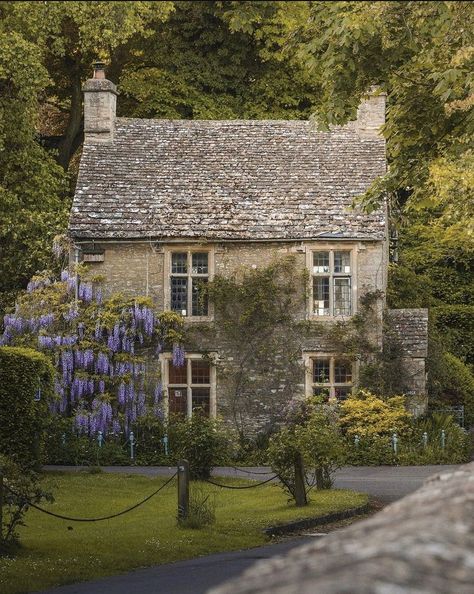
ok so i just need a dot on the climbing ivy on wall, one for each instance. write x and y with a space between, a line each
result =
258 317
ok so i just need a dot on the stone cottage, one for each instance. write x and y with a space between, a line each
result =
162 206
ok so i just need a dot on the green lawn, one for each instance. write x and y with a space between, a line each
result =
57 552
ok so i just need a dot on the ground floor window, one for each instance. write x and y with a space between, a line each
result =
190 387
328 375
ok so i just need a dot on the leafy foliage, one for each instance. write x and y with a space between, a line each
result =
202 441
24 376
258 314
365 414
20 487
311 433
32 186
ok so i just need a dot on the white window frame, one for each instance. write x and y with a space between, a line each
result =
166 358
331 248
189 250
331 385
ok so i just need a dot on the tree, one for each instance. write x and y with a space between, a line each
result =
32 186
421 54
69 36
206 63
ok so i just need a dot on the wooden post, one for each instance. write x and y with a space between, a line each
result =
183 489
300 491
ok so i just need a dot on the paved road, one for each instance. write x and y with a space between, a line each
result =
385 483
196 576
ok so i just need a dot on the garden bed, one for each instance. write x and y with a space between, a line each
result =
58 552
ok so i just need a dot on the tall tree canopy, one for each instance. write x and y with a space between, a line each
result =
422 55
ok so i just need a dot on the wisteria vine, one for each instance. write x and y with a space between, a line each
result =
100 348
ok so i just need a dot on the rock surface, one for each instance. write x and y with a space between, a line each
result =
422 544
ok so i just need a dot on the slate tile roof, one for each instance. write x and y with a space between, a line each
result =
226 180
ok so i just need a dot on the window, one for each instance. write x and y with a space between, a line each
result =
329 376
332 283
189 273
190 387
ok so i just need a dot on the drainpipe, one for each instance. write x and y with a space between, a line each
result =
76 261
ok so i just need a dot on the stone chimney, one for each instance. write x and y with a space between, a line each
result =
100 99
371 113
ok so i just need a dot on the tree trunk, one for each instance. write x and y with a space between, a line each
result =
72 137
300 491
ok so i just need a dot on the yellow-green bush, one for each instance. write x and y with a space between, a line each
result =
366 415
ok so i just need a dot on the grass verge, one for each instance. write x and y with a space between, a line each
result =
56 552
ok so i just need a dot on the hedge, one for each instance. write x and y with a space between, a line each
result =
455 323
25 374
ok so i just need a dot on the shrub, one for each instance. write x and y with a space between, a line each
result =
26 487
455 323
24 375
365 414
312 435
451 383
201 511
203 441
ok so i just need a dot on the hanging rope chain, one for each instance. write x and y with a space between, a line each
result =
73 519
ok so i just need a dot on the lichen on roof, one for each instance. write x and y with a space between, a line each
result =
227 180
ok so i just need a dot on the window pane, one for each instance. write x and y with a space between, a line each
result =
321 295
201 400
342 392
321 371
342 296
178 401
342 371
200 263
342 262
179 294
200 307
320 391
177 375
200 372
179 263
320 262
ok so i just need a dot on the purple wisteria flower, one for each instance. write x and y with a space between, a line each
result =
158 393
64 275
178 356
71 314
102 363
85 292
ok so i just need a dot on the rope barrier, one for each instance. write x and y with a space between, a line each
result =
72 519
241 486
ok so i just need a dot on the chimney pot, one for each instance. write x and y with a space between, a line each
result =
99 70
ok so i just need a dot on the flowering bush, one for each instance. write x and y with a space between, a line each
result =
365 414
100 347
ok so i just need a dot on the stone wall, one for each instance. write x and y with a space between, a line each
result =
422 544
138 268
411 329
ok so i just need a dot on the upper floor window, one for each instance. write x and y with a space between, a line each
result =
189 274
331 283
